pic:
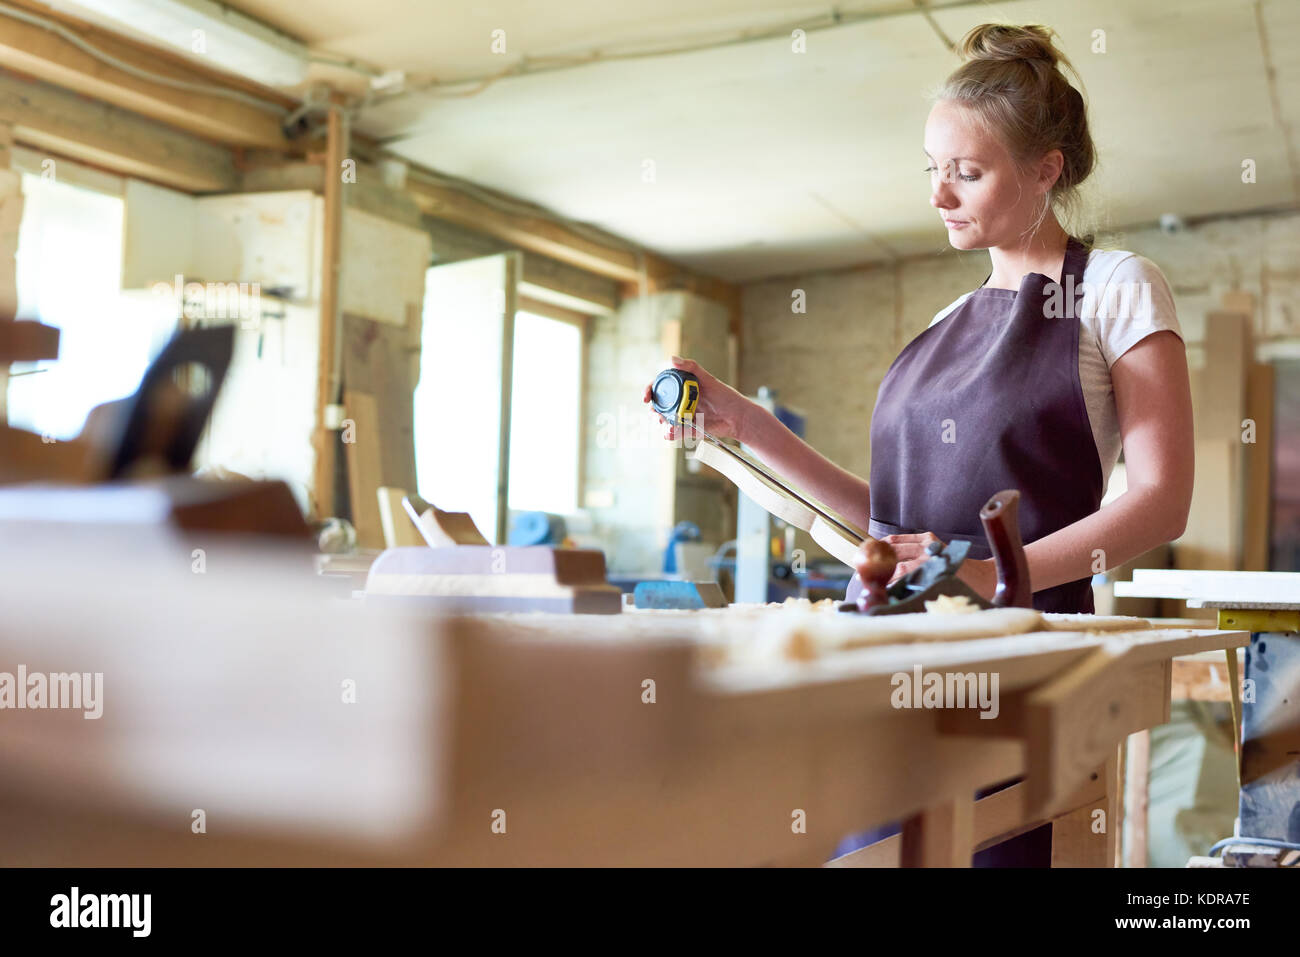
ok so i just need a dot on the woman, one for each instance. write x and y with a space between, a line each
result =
1033 380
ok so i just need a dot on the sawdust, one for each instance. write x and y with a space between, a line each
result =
805 604
802 633
951 605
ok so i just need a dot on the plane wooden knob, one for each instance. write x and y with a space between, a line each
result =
875 562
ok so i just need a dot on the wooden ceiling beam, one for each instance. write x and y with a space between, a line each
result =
39 53
539 234
53 121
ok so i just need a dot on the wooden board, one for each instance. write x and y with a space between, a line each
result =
486 578
377 361
1259 468
1234 588
779 503
382 267
26 341
398 528
365 471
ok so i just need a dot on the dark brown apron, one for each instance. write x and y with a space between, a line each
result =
987 399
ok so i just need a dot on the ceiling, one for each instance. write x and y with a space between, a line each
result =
766 161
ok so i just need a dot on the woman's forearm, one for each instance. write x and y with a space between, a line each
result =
810 471
1136 522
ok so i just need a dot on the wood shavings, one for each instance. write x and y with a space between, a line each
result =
806 604
801 634
1061 621
951 605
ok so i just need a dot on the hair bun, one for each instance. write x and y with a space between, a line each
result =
1004 42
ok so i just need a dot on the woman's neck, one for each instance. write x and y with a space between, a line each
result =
1044 252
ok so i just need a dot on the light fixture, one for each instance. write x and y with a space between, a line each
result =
205 30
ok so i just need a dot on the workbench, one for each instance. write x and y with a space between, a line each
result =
300 728
1267 604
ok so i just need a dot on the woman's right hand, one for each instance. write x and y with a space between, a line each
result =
721 411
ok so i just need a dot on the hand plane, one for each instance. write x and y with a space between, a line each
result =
876 561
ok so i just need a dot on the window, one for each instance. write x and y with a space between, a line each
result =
545 412
69 270
466 374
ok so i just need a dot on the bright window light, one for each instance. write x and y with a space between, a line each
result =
545 411
69 270
458 400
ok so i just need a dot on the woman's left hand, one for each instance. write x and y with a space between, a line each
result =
910 550
980 573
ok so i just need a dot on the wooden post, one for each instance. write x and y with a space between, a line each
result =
11 207
1137 798
328 391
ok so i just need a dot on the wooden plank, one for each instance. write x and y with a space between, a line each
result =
382 267
577 288
536 233
269 238
1238 589
398 530
70 171
998 817
1212 538
25 341
32 50
365 472
30 337
25 457
159 234
1137 797
1222 383
376 360
539 233
940 836
1259 468
513 268
62 124
328 385
1200 680
1087 837
1074 721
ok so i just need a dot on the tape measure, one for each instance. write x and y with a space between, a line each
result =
675 394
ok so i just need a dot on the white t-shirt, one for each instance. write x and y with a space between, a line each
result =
1125 299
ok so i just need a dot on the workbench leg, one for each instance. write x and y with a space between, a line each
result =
943 835
1137 798
1089 835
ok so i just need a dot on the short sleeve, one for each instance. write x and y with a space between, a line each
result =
1134 302
944 312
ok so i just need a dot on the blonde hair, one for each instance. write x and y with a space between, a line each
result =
1011 82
